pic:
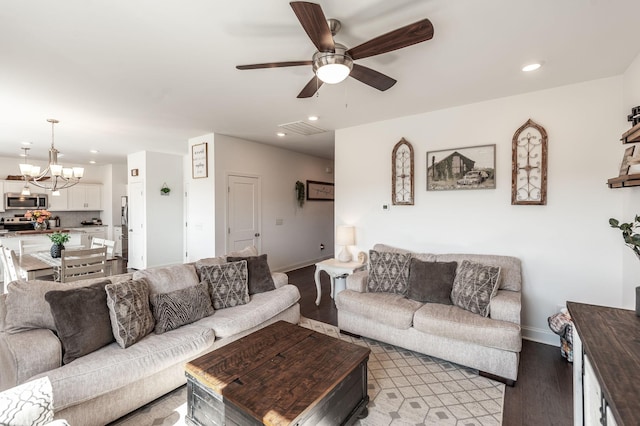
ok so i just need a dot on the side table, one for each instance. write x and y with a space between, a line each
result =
334 268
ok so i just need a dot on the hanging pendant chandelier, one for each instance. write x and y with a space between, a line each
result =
55 177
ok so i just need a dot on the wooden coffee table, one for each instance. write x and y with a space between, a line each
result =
282 374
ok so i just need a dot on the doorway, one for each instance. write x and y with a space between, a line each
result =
243 212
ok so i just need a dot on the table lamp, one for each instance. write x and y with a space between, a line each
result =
345 236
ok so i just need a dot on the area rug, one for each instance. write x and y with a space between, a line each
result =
405 388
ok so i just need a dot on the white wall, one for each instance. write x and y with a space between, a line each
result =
297 241
163 215
200 205
567 249
631 264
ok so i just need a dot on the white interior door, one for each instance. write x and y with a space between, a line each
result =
243 215
137 239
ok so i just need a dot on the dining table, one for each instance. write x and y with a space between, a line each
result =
40 263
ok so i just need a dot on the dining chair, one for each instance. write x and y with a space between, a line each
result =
27 246
10 266
101 242
84 263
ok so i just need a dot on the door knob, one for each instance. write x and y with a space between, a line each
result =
257 234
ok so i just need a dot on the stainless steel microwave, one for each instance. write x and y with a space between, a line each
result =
17 201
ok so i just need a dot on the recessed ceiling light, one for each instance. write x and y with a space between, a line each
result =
92 161
281 134
60 155
94 151
26 143
313 118
531 67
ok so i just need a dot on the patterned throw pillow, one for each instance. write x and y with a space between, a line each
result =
28 404
227 284
388 272
82 319
474 286
131 317
180 307
259 274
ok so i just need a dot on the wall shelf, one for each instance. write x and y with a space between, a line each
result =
624 181
632 135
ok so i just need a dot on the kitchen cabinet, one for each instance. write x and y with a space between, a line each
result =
90 232
58 202
15 186
84 197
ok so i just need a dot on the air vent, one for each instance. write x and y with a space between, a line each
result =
301 128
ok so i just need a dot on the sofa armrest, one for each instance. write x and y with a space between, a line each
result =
358 281
26 354
280 279
505 306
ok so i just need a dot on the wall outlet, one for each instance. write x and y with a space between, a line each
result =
385 207
279 222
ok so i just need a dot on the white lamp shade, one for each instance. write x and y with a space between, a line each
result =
345 235
25 169
35 171
78 172
56 169
333 73
67 172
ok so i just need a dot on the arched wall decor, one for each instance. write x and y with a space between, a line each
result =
402 182
529 165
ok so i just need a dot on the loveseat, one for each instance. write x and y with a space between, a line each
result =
105 384
490 344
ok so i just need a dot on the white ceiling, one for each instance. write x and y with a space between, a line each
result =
124 76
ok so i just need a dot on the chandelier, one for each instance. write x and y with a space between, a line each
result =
53 178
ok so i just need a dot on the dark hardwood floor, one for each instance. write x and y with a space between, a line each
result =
543 394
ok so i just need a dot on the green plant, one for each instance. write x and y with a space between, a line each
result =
631 238
300 193
165 189
59 238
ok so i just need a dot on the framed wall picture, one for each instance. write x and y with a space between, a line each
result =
402 174
529 165
471 167
320 191
199 161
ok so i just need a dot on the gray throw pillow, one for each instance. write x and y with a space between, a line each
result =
259 275
388 272
431 282
474 286
81 317
131 317
227 284
180 307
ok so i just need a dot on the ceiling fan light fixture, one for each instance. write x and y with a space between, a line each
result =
332 67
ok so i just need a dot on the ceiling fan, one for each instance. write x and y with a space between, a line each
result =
333 62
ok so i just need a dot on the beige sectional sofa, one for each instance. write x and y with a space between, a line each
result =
110 382
489 344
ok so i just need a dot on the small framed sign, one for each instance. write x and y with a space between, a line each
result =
199 166
319 191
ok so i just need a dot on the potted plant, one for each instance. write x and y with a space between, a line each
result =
300 193
631 238
58 239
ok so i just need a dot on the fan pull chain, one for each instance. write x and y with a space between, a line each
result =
346 95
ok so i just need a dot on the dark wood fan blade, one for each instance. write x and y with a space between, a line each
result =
311 88
273 65
315 24
372 78
402 37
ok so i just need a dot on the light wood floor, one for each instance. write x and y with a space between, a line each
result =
542 395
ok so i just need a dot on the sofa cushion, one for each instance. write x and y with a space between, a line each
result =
82 319
455 323
431 281
168 278
259 275
388 272
386 308
262 307
180 307
111 367
474 286
26 308
227 284
129 311
28 404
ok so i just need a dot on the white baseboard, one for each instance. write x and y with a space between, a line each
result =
304 264
540 335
